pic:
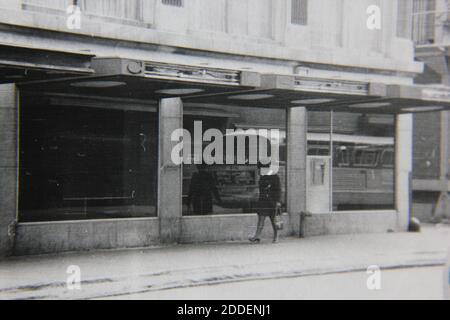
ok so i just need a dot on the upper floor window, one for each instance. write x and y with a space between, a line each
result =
175 3
119 9
299 12
130 10
55 4
424 21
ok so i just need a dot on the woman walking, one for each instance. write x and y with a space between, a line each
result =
269 201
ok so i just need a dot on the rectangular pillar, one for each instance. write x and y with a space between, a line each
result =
297 129
170 180
403 168
8 166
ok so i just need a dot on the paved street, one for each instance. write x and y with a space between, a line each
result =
330 266
410 283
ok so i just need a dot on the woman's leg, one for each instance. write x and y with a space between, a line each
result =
260 226
274 227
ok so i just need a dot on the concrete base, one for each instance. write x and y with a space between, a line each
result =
54 237
226 228
349 223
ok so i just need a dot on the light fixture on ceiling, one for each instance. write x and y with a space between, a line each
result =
180 91
312 101
15 76
57 72
422 109
370 105
256 96
98 84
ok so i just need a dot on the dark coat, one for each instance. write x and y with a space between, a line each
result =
201 192
269 195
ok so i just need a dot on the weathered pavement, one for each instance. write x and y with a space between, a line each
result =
108 274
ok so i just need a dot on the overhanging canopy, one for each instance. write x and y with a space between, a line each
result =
145 80
337 95
130 79
22 64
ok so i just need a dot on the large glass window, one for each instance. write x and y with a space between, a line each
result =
86 163
357 153
230 185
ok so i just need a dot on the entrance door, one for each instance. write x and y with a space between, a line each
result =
318 184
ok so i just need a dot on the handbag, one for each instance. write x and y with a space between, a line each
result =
279 223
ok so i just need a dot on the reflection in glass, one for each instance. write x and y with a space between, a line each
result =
362 153
231 188
86 163
202 190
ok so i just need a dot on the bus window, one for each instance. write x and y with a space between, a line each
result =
387 159
318 150
342 158
322 152
365 158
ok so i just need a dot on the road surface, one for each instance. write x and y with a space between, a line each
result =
410 283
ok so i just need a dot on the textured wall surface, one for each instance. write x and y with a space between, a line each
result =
349 223
39 238
225 228
260 28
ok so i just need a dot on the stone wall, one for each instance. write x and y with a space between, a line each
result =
8 166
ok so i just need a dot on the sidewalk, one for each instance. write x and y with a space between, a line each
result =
114 273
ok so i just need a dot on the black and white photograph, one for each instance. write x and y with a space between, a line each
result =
240 152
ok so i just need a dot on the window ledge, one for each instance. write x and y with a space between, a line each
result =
43 223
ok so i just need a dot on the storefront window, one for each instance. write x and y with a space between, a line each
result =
357 153
86 163
365 179
230 183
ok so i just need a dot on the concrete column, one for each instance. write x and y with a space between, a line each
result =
148 12
170 175
442 207
297 128
279 20
403 168
8 166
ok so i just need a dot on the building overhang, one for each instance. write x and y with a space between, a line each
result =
152 81
23 64
338 95
431 185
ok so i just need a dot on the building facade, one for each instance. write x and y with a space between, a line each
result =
93 91
430 31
